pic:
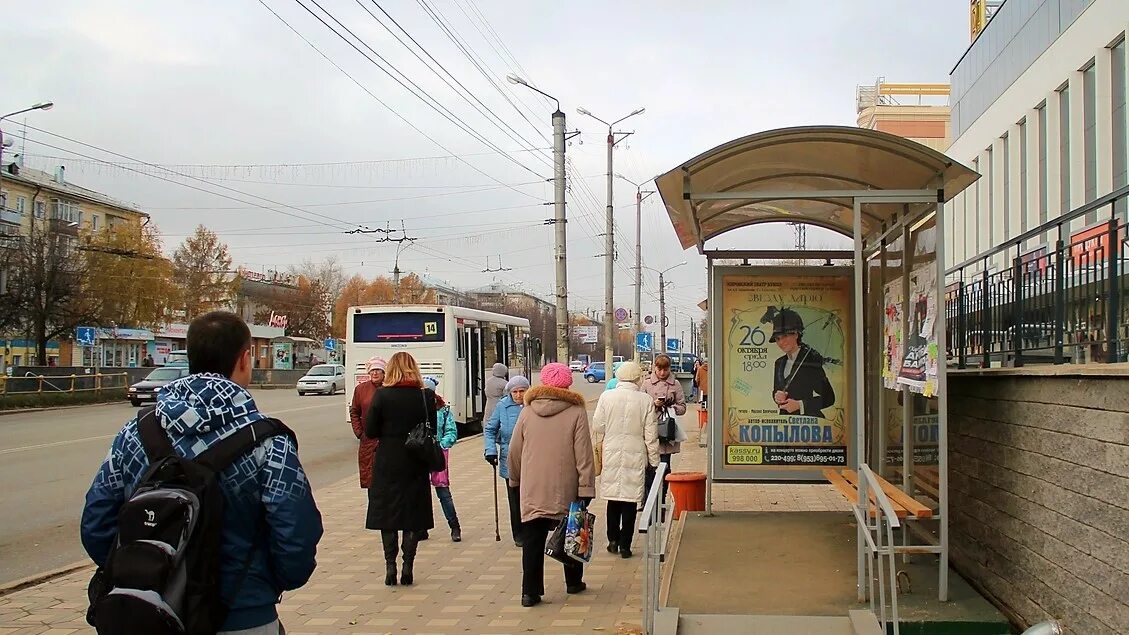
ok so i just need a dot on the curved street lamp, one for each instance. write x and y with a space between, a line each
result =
43 105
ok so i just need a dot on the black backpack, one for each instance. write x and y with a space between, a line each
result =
163 573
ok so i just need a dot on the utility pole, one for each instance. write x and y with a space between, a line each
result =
559 219
559 225
640 196
609 242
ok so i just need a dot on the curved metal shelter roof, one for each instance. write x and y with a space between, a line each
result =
809 174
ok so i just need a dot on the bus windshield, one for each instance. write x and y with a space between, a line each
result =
375 328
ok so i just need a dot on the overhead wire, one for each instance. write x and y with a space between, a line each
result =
414 89
385 104
469 96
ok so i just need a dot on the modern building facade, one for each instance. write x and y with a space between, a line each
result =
1039 110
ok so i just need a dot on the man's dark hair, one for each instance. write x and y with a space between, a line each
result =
215 342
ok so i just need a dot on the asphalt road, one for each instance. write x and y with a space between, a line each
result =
47 460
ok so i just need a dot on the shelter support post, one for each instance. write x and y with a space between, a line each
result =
907 396
714 394
856 386
942 410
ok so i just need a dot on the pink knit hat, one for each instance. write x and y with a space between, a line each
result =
376 363
557 375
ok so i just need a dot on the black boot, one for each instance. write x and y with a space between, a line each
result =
456 531
388 538
407 575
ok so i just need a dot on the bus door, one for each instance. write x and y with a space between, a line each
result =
473 365
502 345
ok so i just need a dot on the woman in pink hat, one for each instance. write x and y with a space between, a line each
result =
362 396
551 464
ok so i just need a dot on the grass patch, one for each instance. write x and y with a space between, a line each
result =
51 399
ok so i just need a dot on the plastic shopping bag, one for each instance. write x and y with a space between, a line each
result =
578 532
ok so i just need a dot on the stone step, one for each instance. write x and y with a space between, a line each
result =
764 625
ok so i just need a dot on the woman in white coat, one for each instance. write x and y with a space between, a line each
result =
626 443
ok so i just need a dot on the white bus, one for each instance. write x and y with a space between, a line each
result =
457 345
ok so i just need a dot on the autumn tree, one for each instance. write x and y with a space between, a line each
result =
131 279
202 273
359 291
43 297
306 307
329 272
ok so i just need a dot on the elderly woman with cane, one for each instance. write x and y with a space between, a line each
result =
496 436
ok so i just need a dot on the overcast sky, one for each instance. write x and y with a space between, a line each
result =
208 84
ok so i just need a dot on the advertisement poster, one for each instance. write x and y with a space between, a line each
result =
786 398
892 334
925 431
283 356
919 360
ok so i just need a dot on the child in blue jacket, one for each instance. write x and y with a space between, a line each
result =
447 433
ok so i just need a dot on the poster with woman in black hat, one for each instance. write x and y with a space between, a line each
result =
799 383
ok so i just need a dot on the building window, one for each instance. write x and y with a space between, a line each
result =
989 201
1120 121
3 200
40 209
1005 167
21 205
1064 150
975 224
94 222
1023 224
1089 137
65 211
1042 123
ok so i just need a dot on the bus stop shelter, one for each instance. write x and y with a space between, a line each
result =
881 325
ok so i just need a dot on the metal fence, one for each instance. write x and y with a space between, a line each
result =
1050 295
652 525
31 383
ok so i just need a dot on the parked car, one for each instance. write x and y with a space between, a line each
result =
326 379
576 366
178 357
147 389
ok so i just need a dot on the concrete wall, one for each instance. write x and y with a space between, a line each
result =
1040 495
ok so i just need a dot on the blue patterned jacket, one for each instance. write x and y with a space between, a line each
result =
269 506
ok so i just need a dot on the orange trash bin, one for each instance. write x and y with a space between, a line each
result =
688 490
703 418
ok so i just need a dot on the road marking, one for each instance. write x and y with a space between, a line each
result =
110 436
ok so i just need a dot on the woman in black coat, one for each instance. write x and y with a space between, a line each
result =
399 499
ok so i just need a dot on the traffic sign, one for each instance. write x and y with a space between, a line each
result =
673 345
621 314
330 344
650 319
85 336
645 342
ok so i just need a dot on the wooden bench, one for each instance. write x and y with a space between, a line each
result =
925 478
905 506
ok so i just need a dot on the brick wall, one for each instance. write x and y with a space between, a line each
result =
1040 495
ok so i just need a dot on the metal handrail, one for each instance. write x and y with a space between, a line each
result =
654 546
880 544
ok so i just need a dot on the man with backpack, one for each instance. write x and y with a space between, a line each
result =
201 514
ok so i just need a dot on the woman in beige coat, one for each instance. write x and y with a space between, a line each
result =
626 439
551 463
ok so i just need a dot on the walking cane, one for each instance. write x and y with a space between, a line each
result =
497 534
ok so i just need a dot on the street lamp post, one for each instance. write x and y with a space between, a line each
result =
609 242
45 105
662 302
559 219
640 195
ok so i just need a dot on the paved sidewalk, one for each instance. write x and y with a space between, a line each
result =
470 587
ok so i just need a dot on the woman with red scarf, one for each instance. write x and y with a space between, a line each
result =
399 500
362 397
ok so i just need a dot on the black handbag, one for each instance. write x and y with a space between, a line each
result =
555 545
422 445
666 426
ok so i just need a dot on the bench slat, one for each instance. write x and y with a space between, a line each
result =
900 499
851 492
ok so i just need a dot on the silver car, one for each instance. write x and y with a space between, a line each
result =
325 379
